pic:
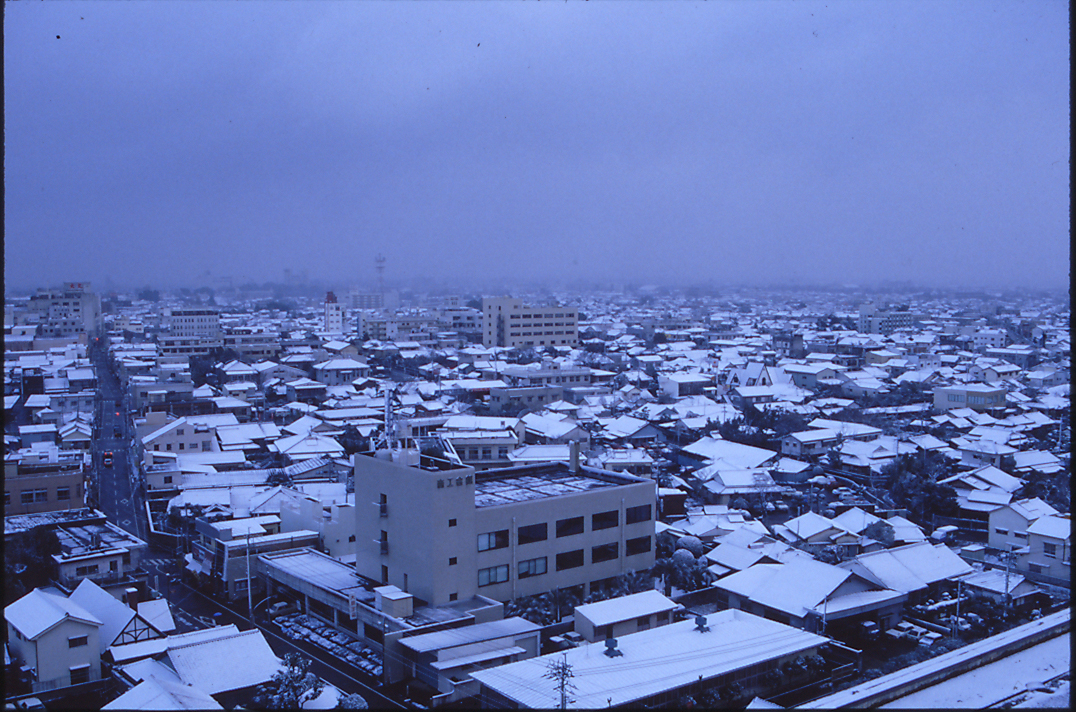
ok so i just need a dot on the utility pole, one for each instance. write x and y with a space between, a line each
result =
250 596
561 672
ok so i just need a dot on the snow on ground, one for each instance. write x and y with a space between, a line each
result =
1041 700
995 681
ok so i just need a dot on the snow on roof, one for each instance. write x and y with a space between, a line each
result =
37 612
1052 526
225 664
114 615
652 661
145 648
911 567
616 610
466 635
157 614
735 455
156 694
795 587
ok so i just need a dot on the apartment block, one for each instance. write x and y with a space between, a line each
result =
194 322
43 480
509 322
71 311
977 396
443 532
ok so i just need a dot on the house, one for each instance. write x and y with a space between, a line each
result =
120 622
808 594
55 639
718 484
918 570
153 693
43 478
1009 522
977 396
631 431
617 617
678 385
711 450
446 659
653 666
815 531
1049 548
340 371
551 429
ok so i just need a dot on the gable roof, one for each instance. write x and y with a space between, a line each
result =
224 664
154 693
37 612
909 568
114 615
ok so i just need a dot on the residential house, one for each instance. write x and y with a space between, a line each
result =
1049 548
54 639
917 570
617 617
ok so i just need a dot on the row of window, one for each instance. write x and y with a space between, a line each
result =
564 561
33 496
571 526
168 446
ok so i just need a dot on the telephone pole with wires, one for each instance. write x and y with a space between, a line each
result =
561 672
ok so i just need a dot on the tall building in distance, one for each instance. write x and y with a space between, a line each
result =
72 311
873 321
187 323
509 322
334 315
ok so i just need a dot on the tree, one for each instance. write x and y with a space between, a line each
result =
293 686
278 476
692 544
881 532
912 482
28 562
351 702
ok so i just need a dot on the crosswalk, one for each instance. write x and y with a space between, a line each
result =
159 562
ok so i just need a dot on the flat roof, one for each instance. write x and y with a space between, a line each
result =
500 487
651 662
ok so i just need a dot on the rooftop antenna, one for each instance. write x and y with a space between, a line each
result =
700 624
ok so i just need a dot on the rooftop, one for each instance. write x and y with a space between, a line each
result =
519 484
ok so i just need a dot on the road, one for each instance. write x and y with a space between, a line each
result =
117 495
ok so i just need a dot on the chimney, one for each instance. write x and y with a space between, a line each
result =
131 594
573 449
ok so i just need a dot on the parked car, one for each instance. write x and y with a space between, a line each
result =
283 608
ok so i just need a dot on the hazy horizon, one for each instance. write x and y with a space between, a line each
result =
767 143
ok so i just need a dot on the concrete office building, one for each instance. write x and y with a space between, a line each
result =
441 531
509 322
72 311
194 323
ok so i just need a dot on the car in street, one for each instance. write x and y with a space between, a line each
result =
107 459
283 608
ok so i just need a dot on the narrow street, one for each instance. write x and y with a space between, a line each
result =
116 492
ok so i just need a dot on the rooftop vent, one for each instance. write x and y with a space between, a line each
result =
610 648
700 624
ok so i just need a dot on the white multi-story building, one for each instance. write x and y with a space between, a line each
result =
334 315
509 322
439 530
66 312
186 323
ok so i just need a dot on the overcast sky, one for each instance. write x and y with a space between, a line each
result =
733 142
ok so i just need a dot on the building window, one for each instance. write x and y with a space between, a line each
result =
1002 532
532 533
604 552
569 527
451 522
492 575
639 545
1035 568
351 539
570 560
1020 535
77 642
453 596
605 520
638 514
7 498
493 540
452 561
487 453
86 570
80 674
168 479
1049 550
532 567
